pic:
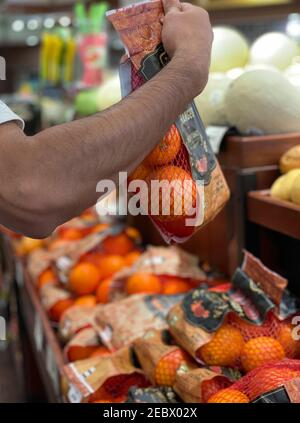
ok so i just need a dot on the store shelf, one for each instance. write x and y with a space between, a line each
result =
45 346
277 215
255 151
253 13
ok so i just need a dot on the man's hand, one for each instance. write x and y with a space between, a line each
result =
187 35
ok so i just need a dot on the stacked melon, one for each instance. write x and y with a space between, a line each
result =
252 89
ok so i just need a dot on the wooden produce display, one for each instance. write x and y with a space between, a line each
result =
249 163
274 226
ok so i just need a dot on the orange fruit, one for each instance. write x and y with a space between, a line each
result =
100 227
177 200
211 386
133 233
166 369
47 276
94 257
103 291
111 264
100 352
265 380
140 173
291 347
166 151
132 257
174 285
259 351
225 347
119 244
229 395
59 308
70 234
140 283
84 278
78 352
27 245
86 301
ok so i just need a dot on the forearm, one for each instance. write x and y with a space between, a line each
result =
58 169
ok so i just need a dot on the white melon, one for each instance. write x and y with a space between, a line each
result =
210 103
293 74
229 50
109 93
275 49
263 101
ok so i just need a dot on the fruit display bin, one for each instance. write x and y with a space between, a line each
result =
277 215
273 230
249 163
43 359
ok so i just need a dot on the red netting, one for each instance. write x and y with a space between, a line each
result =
115 389
271 327
268 377
212 386
166 369
168 162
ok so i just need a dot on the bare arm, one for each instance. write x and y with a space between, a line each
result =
50 177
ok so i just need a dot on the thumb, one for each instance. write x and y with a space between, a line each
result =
171 5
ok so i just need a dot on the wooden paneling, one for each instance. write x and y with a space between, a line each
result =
278 215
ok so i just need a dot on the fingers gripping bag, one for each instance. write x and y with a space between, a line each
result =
184 183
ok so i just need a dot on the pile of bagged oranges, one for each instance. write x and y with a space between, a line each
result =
89 280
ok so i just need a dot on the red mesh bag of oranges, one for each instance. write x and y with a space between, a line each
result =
185 186
244 325
160 358
122 322
197 385
275 382
103 378
85 344
159 270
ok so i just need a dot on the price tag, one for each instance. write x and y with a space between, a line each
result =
52 369
215 135
38 332
74 395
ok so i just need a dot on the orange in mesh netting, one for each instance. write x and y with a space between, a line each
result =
166 369
267 378
271 327
169 161
185 187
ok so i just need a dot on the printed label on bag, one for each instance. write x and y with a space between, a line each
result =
74 395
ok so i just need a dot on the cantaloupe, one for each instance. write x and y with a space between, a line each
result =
263 101
282 187
274 48
229 50
210 103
